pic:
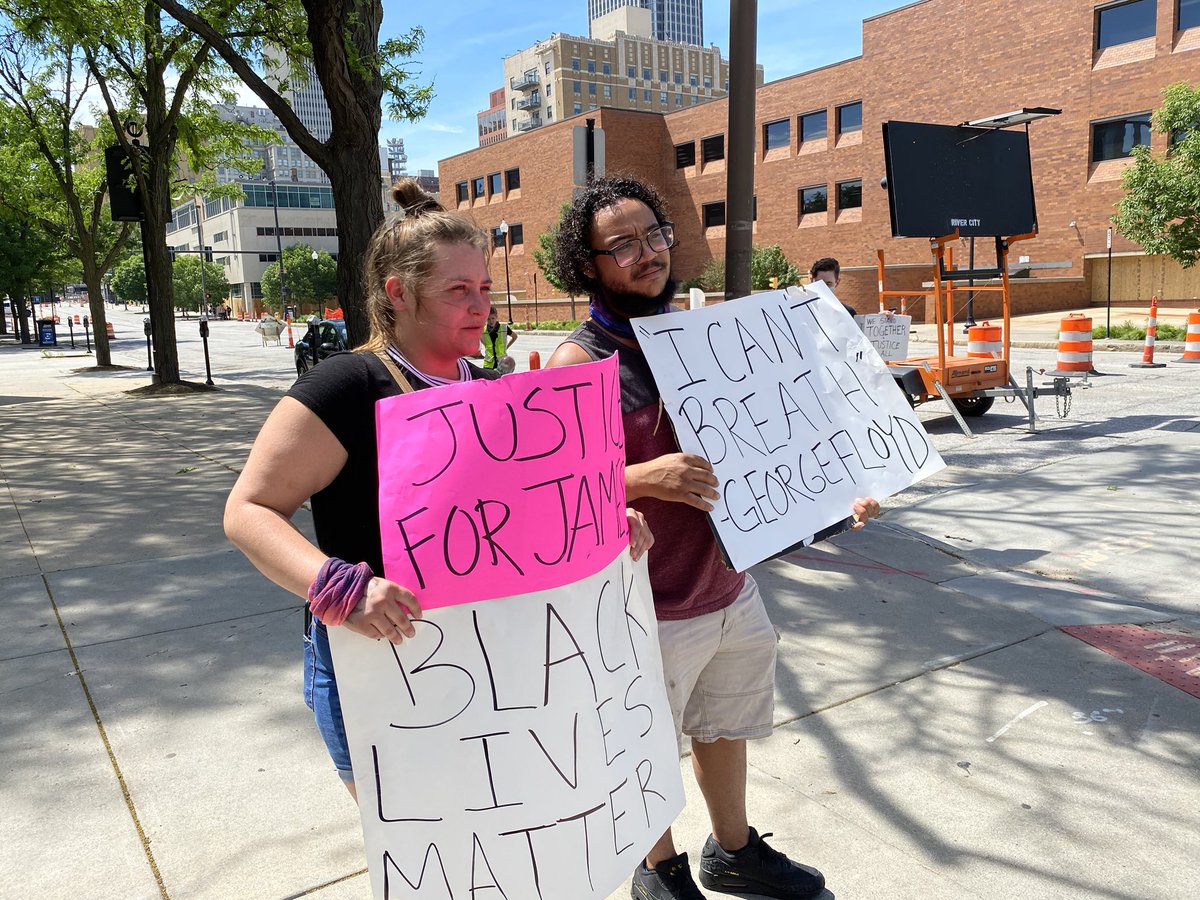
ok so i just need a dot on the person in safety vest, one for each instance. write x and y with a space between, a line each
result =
496 339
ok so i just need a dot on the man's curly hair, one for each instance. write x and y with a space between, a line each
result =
574 246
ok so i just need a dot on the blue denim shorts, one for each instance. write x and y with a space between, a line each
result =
321 696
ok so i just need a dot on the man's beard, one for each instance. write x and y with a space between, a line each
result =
633 305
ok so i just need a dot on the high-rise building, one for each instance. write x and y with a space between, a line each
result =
493 121
681 21
622 66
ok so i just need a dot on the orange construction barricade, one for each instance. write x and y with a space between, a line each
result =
1075 344
985 340
1191 347
108 329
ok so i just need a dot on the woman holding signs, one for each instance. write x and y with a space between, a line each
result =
428 298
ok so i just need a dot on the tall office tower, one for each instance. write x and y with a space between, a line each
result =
681 21
307 99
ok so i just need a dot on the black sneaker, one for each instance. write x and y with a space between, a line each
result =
757 869
671 879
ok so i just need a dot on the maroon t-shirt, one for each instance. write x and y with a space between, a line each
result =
687 574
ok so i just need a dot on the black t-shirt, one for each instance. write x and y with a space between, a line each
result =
342 392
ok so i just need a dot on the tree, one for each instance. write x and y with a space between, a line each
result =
51 170
1161 206
185 279
129 279
27 257
767 263
308 280
160 78
355 71
543 253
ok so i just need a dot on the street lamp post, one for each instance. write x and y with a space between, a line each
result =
507 292
278 240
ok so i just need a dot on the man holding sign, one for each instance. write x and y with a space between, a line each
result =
718 644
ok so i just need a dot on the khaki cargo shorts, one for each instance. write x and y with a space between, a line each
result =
719 669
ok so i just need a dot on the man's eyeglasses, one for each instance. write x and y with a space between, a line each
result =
629 252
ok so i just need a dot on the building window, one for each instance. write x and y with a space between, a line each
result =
460 192
547 67
1115 138
662 97
708 81
777 134
1189 14
693 81
633 95
714 214
592 88
662 75
849 118
679 99
814 126
678 77
685 155
591 67
578 108
478 187
713 148
814 199
606 69
631 71
1125 22
220 236
575 64
494 184
695 99
645 74
577 85
849 194
512 178
607 92
516 235
646 95
497 237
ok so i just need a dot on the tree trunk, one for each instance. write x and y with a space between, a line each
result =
358 201
91 277
22 317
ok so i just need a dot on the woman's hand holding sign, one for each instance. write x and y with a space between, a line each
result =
676 477
385 611
640 537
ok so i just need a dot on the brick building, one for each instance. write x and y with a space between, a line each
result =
819 144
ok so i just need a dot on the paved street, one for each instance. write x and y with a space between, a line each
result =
938 734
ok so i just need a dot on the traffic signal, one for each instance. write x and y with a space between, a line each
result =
126 202
208 257
171 250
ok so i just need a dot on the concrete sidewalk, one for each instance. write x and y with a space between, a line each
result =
935 733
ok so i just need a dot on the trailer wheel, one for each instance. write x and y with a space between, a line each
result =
974 406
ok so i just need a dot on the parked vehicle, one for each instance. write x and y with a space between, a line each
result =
331 339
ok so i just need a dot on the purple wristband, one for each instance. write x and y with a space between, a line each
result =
337 590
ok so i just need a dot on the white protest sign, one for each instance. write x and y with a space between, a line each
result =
887 334
789 401
518 748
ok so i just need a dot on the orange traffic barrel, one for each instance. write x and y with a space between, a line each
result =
1191 347
1075 344
76 318
985 340
535 360
108 329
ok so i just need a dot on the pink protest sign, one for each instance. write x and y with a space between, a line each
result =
494 488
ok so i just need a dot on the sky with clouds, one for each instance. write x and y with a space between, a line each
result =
467 40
